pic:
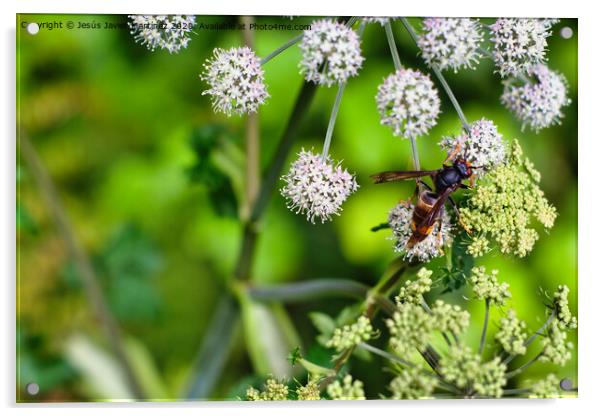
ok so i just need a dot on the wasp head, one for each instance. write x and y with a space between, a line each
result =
464 168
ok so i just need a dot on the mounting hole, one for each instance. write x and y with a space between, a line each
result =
33 28
566 32
32 389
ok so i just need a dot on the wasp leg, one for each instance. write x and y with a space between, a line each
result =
472 180
455 206
452 155
426 185
440 237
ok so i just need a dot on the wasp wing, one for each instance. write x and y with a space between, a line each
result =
400 175
433 215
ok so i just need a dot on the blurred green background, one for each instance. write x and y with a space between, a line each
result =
127 138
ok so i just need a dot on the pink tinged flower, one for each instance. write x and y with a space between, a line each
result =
162 32
236 81
317 188
408 103
331 53
519 44
451 43
537 103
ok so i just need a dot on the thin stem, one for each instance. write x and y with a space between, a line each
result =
252 139
82 262
484 332
440 77
281 49
511 392
532 338
332 121
523 367
427 308
392 46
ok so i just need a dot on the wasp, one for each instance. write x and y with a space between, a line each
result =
430 202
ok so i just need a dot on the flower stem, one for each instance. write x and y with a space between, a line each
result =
313 289
484 332
281 49
523 367
332 121
397 64
440 77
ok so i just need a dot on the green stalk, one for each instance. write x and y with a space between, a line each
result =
281 49
484 332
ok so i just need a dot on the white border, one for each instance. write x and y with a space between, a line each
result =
590 209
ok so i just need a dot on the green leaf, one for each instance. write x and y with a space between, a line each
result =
323 323
454 276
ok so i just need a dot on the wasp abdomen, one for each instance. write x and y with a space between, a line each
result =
424 205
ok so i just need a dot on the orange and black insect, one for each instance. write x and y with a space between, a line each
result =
429 205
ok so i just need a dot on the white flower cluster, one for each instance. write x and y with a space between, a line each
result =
519 44
162 32
537 104
400 220
380 20
483 146
316 187
408 103
236 82
331 53
451 43
349 389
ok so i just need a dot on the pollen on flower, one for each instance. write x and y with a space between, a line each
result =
451 43
538 102
236 81
349 389
518 44
400 220
162 32
504 205
408 103
317 188
331 53
482 146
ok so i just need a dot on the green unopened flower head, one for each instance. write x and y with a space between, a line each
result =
410 328
273 391
412 384
512 335
414 289
502 208
547 388
311 391
349 389
561 306
350 335
450 318
463 367
556 348
487 287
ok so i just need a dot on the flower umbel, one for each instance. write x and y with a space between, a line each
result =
502 207
400 219
537 104
519 44
412 384
547 388
350 335
413 290
561 307
331 53
408 103
273 391
487 287
556 348
483 146
317 188
162 32
511 335
349 389
236 82
451 43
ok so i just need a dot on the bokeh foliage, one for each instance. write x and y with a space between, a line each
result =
152 179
